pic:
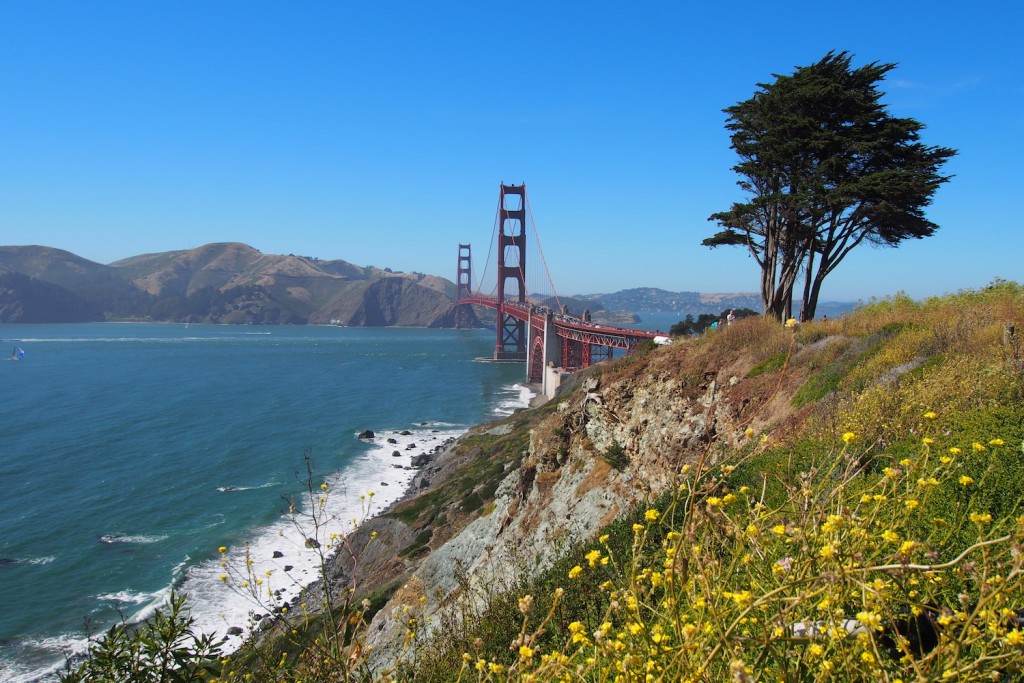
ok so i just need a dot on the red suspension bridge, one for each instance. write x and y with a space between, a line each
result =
542 337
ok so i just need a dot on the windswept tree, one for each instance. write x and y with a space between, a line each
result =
826 168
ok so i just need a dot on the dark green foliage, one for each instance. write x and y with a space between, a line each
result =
616 456
163 648
825 168
472 502
820 385
770 364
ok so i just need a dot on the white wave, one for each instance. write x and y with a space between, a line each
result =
229 489
126 597
517 396
371 483
40 560
129 538
40 660
180 567
151 602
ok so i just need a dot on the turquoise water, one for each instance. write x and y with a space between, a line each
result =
130 452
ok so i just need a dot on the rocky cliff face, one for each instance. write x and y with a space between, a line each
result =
619 439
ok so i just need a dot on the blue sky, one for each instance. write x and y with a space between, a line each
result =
378 132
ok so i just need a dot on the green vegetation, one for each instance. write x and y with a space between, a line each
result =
879 540
825 168
689 326
616 456
770 364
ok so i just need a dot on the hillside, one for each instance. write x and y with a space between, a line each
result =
219 283
833 501
741 430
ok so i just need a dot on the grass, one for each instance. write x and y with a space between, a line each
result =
880 538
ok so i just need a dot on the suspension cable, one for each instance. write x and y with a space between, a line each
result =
490 247
536 235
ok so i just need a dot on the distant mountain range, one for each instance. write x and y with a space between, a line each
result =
221 283
234 283
651 300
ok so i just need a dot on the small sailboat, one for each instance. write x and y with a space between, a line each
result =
17 353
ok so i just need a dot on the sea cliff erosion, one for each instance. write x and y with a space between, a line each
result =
515 494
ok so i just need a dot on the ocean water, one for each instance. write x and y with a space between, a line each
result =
130 452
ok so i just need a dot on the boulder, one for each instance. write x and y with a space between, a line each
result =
365 434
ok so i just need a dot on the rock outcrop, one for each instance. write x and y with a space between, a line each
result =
619 439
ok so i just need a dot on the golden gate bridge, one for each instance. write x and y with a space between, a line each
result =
544 338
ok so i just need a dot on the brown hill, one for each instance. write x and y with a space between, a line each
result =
225 283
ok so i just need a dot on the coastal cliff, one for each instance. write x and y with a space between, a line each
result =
509 498
761 502
757 406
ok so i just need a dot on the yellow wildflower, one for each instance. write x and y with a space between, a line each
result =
1015 637
978 447
223 549
911 504
849 437
575 572
870 620
927 441
966 481
955 451
779 529
525 651
931 415
651 515
996 442
981 518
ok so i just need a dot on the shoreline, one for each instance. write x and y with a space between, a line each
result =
371 504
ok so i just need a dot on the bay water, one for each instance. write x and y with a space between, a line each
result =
130 452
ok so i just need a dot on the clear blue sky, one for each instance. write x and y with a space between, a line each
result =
378 132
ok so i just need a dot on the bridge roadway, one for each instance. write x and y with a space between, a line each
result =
557 339
567 326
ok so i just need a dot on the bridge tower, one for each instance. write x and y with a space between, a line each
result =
511 336
463 282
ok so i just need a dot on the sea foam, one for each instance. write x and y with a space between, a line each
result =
218 597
